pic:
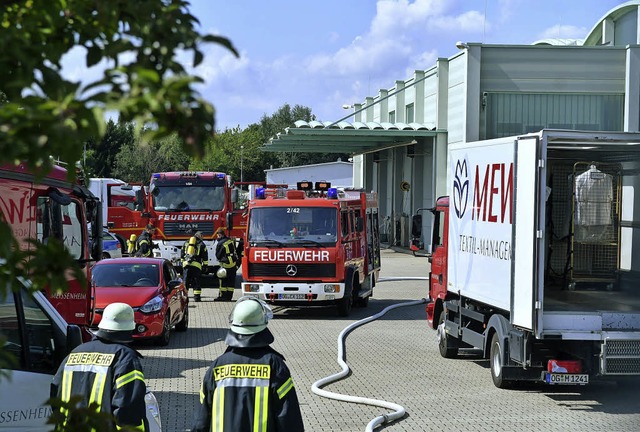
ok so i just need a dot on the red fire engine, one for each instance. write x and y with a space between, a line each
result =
179 204
52 207
312 246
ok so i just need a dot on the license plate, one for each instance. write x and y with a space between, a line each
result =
292 296
563 378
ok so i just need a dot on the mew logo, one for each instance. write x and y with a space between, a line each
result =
460 188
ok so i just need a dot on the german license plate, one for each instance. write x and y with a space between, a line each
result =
292 296
563 378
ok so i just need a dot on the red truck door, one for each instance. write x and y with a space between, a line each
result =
438 274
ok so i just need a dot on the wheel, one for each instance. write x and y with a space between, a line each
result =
183 325
163 339
496 361
346 303
447 346
363 301
105 255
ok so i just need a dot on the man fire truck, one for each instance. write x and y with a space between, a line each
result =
178 204
51 207
312 246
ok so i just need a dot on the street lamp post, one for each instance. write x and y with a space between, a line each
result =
241 160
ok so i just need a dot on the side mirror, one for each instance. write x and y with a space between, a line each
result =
74 336
416 226
96 232
173 284
229 220
234 195
139 201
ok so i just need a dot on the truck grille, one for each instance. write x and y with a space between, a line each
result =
621 357
187 228
285 271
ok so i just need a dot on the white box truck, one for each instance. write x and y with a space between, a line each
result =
535 256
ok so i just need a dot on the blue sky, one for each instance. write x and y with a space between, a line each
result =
326 53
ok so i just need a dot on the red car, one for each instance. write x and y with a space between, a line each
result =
151 286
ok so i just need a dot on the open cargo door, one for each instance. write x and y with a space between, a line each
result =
525 235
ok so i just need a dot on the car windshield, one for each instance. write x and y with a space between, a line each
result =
125 275
302 226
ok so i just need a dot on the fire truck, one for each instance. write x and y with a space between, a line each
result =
51 207
312 246
179 204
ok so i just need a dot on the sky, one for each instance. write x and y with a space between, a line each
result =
324 54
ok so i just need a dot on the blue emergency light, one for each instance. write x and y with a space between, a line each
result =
260 193
332 193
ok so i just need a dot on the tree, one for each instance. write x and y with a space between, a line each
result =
286 117
137 161
101 155
46 114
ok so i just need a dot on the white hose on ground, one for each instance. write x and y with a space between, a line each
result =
398 410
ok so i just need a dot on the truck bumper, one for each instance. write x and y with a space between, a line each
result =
294 292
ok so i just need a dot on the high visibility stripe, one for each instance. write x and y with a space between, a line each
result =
65 390
127 378
97 390
140 427
217 416
285 388
260 410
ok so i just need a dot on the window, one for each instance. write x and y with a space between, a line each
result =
36 328
344 222
392 117
409 114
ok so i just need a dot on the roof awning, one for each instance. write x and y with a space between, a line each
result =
345 137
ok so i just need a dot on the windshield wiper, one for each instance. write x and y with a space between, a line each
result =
269 242
307 242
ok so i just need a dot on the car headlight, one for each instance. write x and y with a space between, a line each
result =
153 305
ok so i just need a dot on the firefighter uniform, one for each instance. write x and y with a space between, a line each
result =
227 257
144 244
106 372
195 259
249 387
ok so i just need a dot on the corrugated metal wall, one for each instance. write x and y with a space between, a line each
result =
513 114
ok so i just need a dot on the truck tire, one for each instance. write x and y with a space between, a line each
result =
448 347
496 362
345 304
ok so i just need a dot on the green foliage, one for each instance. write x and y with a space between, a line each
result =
73 416
137 161
286 117
101 156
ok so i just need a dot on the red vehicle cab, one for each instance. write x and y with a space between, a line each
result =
151 286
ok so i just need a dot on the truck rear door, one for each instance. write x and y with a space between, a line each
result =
526 236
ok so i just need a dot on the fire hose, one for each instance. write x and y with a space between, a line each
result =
398 410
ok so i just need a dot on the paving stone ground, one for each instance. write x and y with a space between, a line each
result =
394 358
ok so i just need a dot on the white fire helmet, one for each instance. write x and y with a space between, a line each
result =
250 315
117 317
221 273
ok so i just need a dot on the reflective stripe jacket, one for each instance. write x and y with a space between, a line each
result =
199 259
109 374
143 245
226 252
248 389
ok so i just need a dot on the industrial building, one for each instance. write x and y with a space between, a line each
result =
399 137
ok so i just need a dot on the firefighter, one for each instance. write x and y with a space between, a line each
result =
106 371
226 255
195 262
249 387
144 244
